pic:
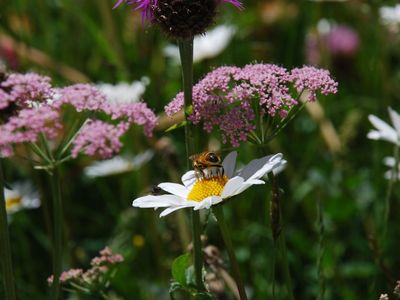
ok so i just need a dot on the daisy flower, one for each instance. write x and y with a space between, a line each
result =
383 130
117 165
21 196
213 188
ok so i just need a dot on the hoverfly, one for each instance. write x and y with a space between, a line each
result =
204 163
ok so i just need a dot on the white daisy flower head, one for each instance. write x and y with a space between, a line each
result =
383 131
118 165
207 45
124 92
22 195
215 187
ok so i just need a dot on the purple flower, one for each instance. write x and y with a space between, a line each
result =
226 97
99 138
342 41
81 97
137 113
313 80
24 88
26 126
145 6
38 108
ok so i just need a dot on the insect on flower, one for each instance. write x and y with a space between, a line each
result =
207 161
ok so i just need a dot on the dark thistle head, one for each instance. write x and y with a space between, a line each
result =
180 19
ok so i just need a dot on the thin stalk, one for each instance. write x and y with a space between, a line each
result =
5 247
393 179
278 232
219 214
320 255
186 54
57 242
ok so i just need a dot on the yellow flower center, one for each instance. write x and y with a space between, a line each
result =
11 202
207 187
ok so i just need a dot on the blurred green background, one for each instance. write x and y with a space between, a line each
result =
332 166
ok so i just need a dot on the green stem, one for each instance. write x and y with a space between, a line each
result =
219 214
7 269
393 179
320 256
186 54
57 222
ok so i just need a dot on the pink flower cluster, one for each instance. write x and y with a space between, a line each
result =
226 97
97 138
25 88
101 265
30 106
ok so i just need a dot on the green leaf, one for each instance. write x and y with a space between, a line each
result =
179 267
175 126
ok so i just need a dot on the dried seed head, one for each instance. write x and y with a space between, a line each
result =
183 19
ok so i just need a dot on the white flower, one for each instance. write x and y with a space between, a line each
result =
124 92
203 193
21 196
118 165
383 130
207 45
390 15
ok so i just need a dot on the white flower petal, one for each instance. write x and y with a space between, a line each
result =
395 117
229 164
389 161
258 167
169 210
208 202
189 179
232 186
255 181
174 189
158 201
385 132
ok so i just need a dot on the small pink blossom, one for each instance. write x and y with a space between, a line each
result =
5 99
134 113
24 88
99 138
27 125
81 97
314 80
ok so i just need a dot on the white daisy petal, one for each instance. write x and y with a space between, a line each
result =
169 210
189 179
258 167
385 131
255 181
208 202
157 201
174 188
232 186
229 164
395 118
